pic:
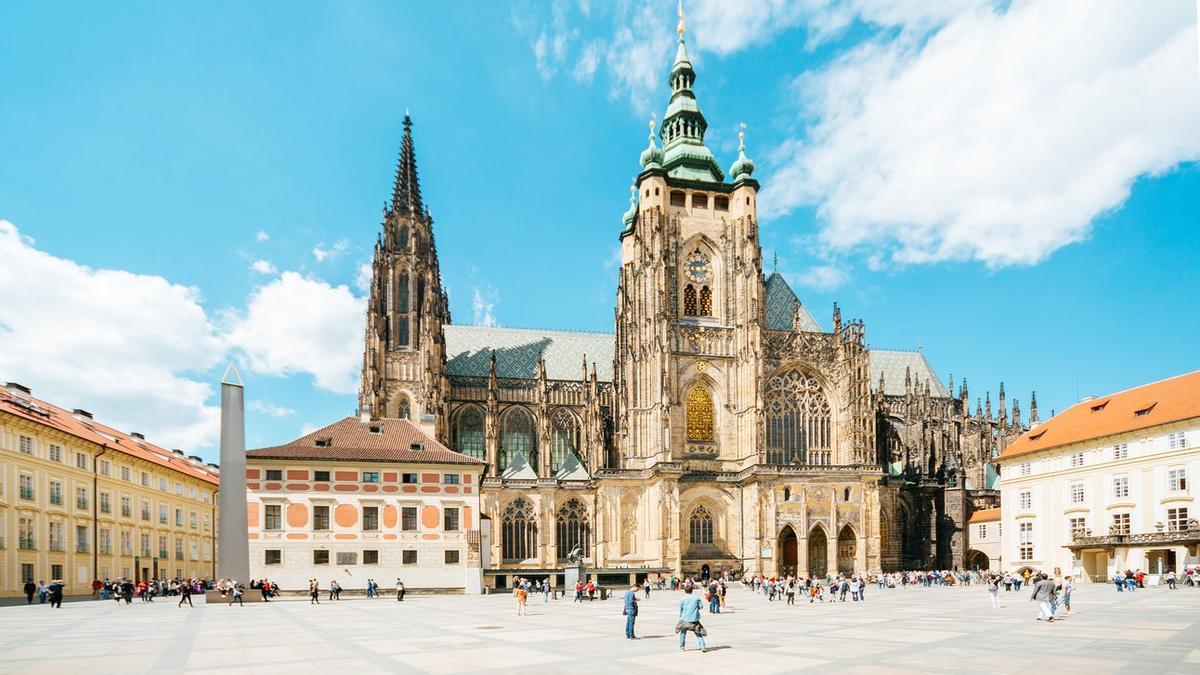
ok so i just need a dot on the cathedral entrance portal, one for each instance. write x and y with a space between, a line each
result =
818 553
846 549
787 551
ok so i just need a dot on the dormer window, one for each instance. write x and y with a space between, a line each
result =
376 429
324 442
1146 410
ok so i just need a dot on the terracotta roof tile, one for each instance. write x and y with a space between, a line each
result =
379 440
985 516
1150 405
47 414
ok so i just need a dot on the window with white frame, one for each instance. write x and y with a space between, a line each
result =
26 445
983 531
25 486
1120 523
1026 500
1077 458
1025 547
1077 493
1077 526
81 460
105 467
126 474
1025 469
55 453
1120 451
1177 519
1176 441
1120 487
274 517
1177 480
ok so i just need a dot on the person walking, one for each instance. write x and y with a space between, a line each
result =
522 596
630 611
42 591
56 593
546 590
400 590
314 592
646 587
1043 591
689 619
994 591
30 589
236 595
185 595
1171 580
578 592
1068 586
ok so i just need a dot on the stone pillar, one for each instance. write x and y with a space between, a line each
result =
233 549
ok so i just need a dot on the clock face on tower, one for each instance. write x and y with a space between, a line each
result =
696 267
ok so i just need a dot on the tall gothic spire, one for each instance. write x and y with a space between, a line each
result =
406 195
683 127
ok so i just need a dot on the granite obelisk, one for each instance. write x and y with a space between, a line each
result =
233 549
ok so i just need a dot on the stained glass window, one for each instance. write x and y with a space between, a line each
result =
573 528
468 432
402 294
564 435
404 409
705 301
518 436
699 415
797 418
701 526
689 300
519 531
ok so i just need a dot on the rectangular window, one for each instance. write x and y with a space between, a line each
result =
320 557
1177 480
1077 494
126 474
179 548
56 536
81 498
1120 451
1120 487
721 203
274 517
452 557
1120 523
273 556
126 544
408 478
321 476
370 518
1025 548
1026 500
105 502
320 517
145 546
408 518
26 572
678 198
408 557
347 558
26 534
145 510
105 467
178 517
105 541
81 461
56 497
450 519
1077 458
26 486
274 474
370 557
699 201
126 507
82 539
162 514
450 479
1076 526
26 445
1026 469
162 546
162 483
55 453
192 519
145 479
179 490
983 531
56 571
370 476
1177 519
1176 441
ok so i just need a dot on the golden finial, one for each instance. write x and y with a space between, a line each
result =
682 21
651 128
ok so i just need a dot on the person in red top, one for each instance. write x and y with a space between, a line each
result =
522 596
591 590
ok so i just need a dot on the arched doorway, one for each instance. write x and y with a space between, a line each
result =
818 553
705 571
847 549
787 551
977 560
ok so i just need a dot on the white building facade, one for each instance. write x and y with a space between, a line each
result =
1106 486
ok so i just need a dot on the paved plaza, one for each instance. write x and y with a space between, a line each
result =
909 630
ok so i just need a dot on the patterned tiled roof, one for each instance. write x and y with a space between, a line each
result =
893 365
380 440
518 350
781 302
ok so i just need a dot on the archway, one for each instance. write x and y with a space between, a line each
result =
847 549
818 544
787 551
977 560
705 571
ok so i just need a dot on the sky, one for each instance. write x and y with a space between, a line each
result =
1010 187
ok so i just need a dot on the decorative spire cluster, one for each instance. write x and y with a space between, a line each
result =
406 194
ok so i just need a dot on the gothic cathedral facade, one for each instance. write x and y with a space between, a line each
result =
719 428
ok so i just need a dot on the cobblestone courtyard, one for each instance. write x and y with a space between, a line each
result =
911 630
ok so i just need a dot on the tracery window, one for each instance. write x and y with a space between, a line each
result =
518 531
404 409
402 293
699 415
689 300
402 331
700 528
573 528
403 236
468 432
518 436
564 437
705 301
797 418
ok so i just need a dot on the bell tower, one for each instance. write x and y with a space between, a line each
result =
404 359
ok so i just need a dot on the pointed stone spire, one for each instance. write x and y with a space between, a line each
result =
979 408
684 153
988 408
837 319
965 398
1033 418
908 384
881 383
1003 410
1016 415
950 385
406 195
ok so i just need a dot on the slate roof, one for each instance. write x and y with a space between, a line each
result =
893 365
352 440
781 302
518 350
1150 405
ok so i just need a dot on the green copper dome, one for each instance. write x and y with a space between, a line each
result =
652 156
744 166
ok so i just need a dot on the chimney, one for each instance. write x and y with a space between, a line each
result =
364 417
19 390
81 415
429 425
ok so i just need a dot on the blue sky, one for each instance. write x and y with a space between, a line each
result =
1011 187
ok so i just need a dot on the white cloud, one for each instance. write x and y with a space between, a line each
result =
1000 137
483 304
295 324
263 267
822 277
124 346
322 254
262 236
362 279
270 409
308 427
589 60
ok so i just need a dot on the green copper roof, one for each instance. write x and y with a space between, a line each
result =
684 153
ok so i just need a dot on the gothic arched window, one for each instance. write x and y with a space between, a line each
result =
402 331
700 527
404 408
518 536
402 293
564 437
699 415
468 432
797 419
518 436
403 236
705 301
689 300
573 528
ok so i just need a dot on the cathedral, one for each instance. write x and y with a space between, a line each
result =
718 428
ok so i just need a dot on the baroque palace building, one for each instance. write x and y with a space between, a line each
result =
720 427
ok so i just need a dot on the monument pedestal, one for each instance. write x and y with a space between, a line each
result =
572 575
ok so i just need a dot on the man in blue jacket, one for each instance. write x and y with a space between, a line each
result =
630 611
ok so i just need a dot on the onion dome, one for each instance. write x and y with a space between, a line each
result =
652 156
631 214
744 166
